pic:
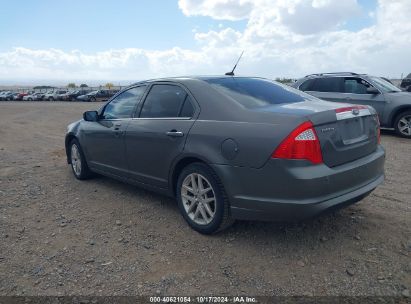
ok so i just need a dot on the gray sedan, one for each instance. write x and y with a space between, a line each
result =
232 148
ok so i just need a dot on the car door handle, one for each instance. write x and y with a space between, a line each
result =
117 126
174 133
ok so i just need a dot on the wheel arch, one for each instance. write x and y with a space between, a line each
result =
396 112
69 138
179 165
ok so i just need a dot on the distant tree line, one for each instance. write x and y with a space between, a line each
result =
72 85
285 80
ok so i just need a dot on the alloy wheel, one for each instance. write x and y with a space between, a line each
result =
198 198
404 125
75 159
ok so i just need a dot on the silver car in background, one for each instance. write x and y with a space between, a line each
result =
33 97
392 105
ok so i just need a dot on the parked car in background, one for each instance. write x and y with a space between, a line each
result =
34 97
20 95
406 83
54 95
2 93
6 95
99 95
232 148
72 96
392 105
15 94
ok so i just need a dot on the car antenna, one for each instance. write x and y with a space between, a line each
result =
232 72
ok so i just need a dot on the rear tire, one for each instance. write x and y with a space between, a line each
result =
78 161
92 99
402 124
51 99
206 211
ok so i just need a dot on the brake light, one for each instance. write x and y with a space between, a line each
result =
378 130
302 143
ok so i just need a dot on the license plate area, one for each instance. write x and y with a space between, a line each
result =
352 130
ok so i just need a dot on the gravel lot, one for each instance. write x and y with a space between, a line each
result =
60 236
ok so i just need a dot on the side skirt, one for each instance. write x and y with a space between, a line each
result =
162 191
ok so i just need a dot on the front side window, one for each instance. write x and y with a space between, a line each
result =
164 100
355 85
327 84
124 104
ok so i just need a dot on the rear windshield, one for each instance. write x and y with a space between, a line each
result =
254 92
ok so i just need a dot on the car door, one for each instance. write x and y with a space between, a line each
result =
104 139
355 91
157 136
326 88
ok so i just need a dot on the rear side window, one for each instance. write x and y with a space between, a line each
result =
187 110
253 92
165 100
307 85
328 84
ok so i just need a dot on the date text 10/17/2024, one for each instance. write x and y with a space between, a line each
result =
202 299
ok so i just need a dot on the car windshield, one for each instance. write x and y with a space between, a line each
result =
384 85
254 92
92 93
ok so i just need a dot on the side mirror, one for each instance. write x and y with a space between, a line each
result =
372 90
90 116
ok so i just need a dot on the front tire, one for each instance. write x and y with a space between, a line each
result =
402 124
78 161
202 200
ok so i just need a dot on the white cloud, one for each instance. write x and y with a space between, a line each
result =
217 9
282 38
223 38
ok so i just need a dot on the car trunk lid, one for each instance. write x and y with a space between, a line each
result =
346 134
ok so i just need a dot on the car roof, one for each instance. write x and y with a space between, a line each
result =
195 77
336 74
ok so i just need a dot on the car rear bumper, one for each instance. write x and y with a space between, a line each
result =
290 190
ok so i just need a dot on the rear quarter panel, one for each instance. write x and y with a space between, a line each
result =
237 143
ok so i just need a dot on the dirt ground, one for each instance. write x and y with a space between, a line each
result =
61 236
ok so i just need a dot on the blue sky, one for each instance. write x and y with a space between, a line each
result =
76 40
363 19
96 25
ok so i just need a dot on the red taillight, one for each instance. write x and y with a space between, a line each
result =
378 129
302 143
